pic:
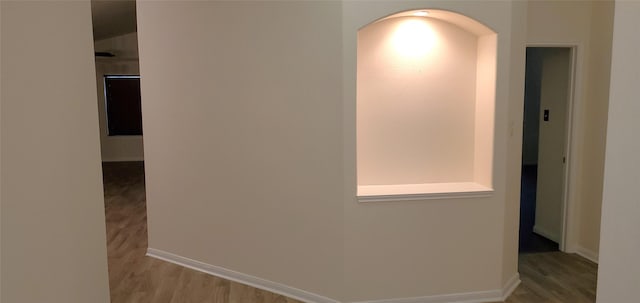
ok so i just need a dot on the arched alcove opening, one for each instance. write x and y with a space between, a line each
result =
425 107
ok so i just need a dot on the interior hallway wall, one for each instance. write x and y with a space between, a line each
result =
512 130
125 62
53 232
262 124
587 24
250 94
395 249
595 131
619 271
0 157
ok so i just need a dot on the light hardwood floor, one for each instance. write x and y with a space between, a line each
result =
555 277
133 277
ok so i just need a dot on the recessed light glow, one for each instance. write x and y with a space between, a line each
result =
421 14
413 38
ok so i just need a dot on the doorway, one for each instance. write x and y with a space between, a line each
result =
548 92
122 148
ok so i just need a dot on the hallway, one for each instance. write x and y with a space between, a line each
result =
552 277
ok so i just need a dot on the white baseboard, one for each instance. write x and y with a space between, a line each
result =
235 276
509 287
546 233
470 297
305 296
588 254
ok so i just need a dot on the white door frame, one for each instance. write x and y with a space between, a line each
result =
568 237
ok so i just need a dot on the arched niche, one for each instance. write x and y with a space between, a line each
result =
426 84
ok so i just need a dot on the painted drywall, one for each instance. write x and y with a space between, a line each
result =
554 94
414 126
425 248
485 108
250 93
586 24
618 274
0 159
53 232
259 98
596 126
512 154
125 62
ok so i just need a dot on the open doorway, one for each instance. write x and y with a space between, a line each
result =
121 140
548 91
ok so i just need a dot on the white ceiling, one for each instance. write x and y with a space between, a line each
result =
113 18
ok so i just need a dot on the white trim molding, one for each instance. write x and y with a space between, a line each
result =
509 287
470 297
427 191
235 276
588 254
305 296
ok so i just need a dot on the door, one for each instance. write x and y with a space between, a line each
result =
555 86
549 73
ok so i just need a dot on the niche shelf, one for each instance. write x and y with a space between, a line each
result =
425 107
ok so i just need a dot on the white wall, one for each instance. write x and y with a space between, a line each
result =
596 125
512 155
125 47
53 233
619 271
427 248
586 24
485 108
0 157
416 112
263 150
250 95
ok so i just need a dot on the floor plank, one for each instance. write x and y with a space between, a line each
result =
549 277
555 277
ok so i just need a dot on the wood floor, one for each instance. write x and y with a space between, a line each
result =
555 277
134 277
546 277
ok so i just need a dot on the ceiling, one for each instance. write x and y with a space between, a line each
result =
113 18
